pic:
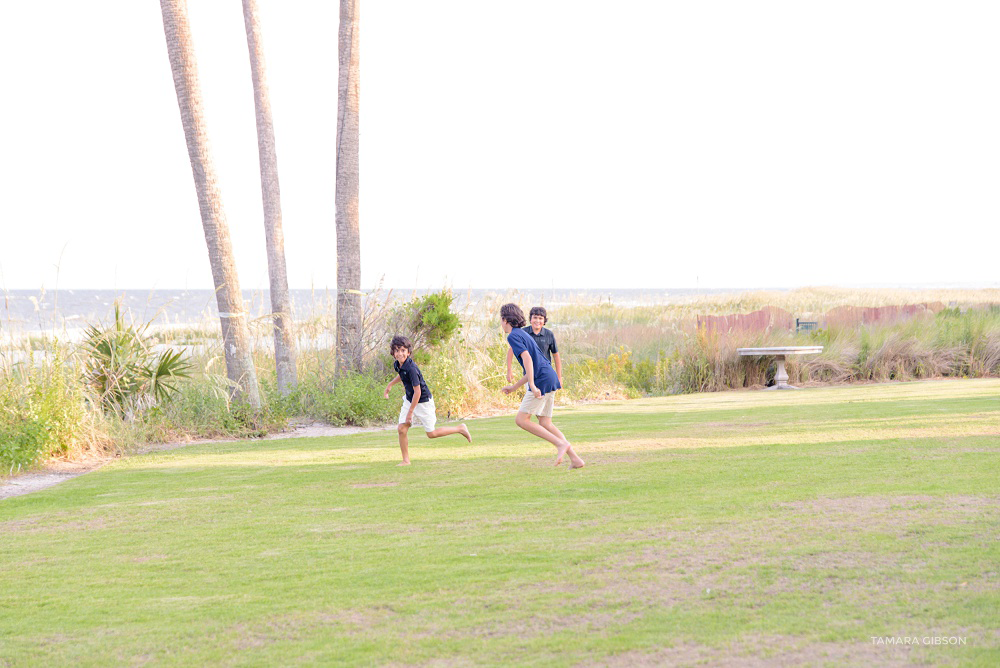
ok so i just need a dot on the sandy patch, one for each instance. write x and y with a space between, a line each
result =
295 430
54 473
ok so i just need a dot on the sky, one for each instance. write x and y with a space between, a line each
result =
524 144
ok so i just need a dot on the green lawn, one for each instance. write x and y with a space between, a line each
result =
712 528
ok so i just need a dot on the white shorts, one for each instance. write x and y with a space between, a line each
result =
542 407
423 414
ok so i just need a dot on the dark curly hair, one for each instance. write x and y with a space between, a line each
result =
538 310
512 314
400 342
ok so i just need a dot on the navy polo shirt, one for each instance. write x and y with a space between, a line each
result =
410 374
545 376
545 340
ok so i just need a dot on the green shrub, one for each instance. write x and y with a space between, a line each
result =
26 433
619 374
354 399
43 413
431 321
447 385
203 410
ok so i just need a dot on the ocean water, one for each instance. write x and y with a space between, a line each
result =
39 310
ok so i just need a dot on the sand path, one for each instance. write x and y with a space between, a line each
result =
55 472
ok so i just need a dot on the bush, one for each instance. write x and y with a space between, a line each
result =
28 430
354 399
431 322
605 377
447 384
203 410
44 413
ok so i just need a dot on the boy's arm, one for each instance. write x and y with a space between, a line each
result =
529 374
389 386
516 386
510 361
413 404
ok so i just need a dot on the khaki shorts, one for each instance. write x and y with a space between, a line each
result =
423 414
542 407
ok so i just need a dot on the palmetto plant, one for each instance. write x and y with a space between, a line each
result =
121 366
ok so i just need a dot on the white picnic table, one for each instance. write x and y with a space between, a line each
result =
779 353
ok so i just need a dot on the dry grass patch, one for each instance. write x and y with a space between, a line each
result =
869 507
810 548
791 434
34 525
763 651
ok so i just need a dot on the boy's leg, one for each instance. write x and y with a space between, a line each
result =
547 424
448 431
523 421
425 417
404 443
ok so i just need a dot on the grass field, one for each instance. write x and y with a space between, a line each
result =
727 528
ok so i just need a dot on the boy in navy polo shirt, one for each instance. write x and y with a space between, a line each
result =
544 339
418 405
542 384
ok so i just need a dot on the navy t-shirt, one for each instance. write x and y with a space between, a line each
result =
545 340
545 376
410 374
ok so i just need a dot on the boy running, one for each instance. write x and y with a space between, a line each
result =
418 405
542 384
544 339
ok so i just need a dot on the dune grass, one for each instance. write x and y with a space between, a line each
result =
645 347
712 528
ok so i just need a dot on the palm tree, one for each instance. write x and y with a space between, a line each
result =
348 234
235 331
281 304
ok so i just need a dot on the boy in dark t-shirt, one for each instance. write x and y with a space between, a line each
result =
418 405
543 338
542 384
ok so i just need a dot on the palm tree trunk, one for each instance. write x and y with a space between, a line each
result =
235 331
281 303
348 233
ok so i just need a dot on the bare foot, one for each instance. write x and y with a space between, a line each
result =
560 451
465 432
578 464
403 464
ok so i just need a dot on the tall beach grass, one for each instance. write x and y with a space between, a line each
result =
608 352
